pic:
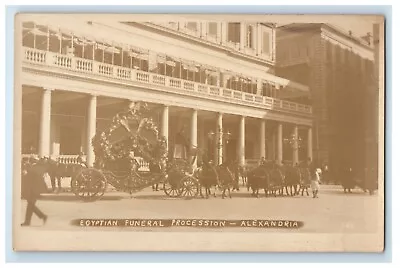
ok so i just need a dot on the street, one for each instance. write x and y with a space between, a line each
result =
332 212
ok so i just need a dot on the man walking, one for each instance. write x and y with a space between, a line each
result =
315 181
33 185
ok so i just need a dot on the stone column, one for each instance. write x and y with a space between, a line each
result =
164 123
45 119
273 146
193 134
241 141
279 152
262 138
223 32
91 129
218 140
309 144
295 148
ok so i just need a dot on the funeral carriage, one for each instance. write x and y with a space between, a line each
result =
132 155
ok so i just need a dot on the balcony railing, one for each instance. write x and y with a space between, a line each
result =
79 65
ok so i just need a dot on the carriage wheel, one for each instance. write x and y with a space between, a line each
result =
190 187
89 184
172 190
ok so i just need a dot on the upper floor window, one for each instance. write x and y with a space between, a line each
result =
212 28
234 32
192 26
265 43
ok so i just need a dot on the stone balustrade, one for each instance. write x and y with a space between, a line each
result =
76 64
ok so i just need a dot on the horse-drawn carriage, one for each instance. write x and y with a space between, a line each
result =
133 135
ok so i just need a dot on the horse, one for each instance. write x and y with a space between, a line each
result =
348 180
208 177
226 179
292 180
238 171
259 178
305 180
277 180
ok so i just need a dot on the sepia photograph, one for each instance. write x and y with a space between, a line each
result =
198 132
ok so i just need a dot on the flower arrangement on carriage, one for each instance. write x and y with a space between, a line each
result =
131 155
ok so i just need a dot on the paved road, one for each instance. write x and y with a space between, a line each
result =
332 212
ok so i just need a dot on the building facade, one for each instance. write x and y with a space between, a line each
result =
339 70
213 81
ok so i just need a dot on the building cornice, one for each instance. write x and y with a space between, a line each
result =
322 27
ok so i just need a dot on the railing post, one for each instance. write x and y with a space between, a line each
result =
49 58
133 75
96 67
115 72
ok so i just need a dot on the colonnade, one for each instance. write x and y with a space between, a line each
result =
45 130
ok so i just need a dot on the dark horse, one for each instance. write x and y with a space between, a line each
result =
348 180
208 177
305 181
292 180
226 179
259 178
277 180
219 176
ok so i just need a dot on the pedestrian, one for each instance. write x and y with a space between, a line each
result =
33 185
315 181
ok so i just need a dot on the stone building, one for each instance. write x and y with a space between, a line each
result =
213 80
339 70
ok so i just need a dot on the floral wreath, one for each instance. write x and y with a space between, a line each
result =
135 140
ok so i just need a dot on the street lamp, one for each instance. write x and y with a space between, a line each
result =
221 137
293 141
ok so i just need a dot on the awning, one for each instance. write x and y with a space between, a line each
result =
211 72
35 31
83 42
189 66
107 48
163 59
